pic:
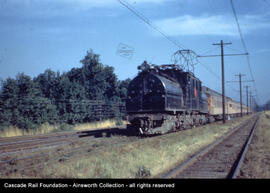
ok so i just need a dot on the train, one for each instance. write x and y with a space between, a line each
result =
165 98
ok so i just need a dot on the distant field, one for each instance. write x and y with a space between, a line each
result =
147 157
257 160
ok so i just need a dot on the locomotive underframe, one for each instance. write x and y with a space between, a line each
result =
160 123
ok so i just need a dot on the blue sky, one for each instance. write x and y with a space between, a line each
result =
39 34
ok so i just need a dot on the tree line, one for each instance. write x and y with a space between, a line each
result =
89 93
266 106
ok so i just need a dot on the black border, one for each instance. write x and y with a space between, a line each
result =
137 185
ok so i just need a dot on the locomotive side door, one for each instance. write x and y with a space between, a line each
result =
193 90
189 93
196 94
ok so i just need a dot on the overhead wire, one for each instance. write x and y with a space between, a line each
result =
244 47
148 22
176 43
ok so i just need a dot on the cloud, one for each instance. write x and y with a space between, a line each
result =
211 25
104 3
52 8
76 3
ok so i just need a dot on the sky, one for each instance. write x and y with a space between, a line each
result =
36 35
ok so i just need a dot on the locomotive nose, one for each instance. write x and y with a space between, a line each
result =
145 93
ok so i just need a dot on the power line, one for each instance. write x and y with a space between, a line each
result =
223 55
235 50
176 43
210 71
148 22
238 27
244 45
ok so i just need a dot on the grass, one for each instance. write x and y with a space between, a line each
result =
13 131
99 124
257 159
147 157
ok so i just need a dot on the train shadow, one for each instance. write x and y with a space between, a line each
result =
99 133
103 133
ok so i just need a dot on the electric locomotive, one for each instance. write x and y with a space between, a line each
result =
165 98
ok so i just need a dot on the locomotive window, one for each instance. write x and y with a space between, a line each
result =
188 79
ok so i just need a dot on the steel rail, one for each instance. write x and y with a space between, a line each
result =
206 149
236 168
79 151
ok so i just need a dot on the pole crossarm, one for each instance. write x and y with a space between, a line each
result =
221 43
241 54
242 81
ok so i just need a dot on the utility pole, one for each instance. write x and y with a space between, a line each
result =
247 97
221 44
240 85
251 100
250 93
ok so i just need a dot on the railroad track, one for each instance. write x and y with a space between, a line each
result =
221 159
27 155
23 144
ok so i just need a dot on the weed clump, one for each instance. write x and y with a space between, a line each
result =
143 172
